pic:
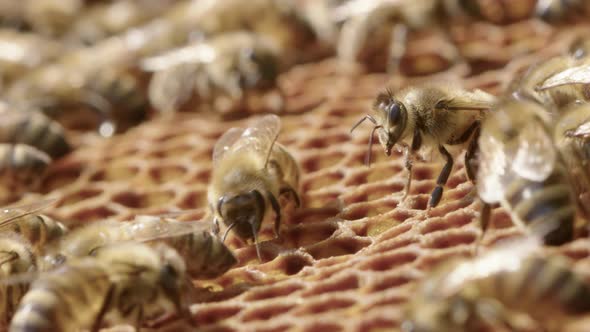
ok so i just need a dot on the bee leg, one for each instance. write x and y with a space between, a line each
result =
289 190
408 160
397 47
470 166
277 210
103 310
484 221
442 178
473 133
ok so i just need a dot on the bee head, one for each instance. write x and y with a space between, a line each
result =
394 118
259 67
243 213
172 276
438 315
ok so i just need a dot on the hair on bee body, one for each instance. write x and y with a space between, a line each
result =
430 115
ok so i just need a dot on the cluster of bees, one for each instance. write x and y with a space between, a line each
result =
65 62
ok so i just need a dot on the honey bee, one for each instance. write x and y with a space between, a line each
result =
101 20
520 168
34 129
16 258
22 52
557 10
38 229
21 168
483 293
572 139
580 47
429 115
219 71
206 256
47 17
250 171
122 283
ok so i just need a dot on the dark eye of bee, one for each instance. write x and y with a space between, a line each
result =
393 113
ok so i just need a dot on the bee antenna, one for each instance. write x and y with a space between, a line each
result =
368 157
231 226
389 92
256 243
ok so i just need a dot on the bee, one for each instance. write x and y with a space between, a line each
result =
221 68
23 51
22 168
482 293
428 115
102 20
113 98
122 283
206 255
38 229
16 258
520 168
580 48
34 129
46 17
557 10
572 139
250 171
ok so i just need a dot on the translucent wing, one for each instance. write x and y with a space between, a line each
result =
150 228
225 142
573 75
535 156
477 101
582 131
196 53
493 175
11 213
259 138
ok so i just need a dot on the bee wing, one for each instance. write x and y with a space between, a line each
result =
582 131
11 213
157 231
472 101
197 53
535 156
259 138
574 75
225 142
493 174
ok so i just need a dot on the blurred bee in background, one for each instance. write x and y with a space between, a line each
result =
34 129
520 168
22 51
122 283
221 72
557 81
205 255
16 258
250 171
483 293
22 167
39 230
557 10
572 139
45 17
429 116
103 19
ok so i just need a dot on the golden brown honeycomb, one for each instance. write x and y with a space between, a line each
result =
350 257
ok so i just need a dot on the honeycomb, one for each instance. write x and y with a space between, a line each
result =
348 260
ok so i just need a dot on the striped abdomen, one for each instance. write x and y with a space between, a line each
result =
22 166
67 299
35 129
535 204
545 288
205 255
16 258
38 229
